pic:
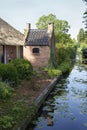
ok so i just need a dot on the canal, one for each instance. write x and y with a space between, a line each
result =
66 106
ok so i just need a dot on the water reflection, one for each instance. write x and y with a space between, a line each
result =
66 106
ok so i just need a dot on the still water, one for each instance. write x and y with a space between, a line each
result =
66 106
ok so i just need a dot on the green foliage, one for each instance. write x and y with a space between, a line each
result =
6 122
61 27
65 52
65 56
82 46
5 91
21 111
63 38
65 46
85 17
14 113
8 74
18 107
24 68
81 35
65 67
54 72
44 20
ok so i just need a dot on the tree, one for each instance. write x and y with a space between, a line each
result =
85 0
44 20
81 35
85 18
61 27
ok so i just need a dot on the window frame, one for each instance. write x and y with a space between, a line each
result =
36 50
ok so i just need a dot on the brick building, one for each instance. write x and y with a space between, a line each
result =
38 45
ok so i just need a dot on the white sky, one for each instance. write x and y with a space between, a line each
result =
19 12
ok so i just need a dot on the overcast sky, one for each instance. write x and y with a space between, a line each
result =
19 12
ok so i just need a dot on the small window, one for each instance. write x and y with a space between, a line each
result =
35 50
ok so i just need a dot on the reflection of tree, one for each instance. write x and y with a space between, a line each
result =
51 105
83 107
47 111
56 103
62 109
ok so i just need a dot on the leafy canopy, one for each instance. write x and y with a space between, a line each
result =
85 17
81 35
85 0
61 27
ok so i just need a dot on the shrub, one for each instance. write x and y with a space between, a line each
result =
65 67
54 72
6 122
24 68
8 73
5 91
65 53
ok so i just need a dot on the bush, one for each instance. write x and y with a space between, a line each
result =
65 67
5 91
24 68
8 74
6 122
65 53
54 72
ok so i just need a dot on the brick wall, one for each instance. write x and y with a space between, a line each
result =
37 59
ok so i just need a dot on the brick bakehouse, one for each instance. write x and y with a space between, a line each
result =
38 45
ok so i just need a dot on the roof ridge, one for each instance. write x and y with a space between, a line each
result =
39 29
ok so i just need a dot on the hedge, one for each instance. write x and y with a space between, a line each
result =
24 68
8 74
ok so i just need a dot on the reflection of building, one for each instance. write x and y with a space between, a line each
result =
11 42
49 121
84 56
38 45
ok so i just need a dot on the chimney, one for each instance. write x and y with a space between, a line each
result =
28 26
27 29
50 29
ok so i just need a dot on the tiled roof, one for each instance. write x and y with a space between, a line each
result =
9 35
37 38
